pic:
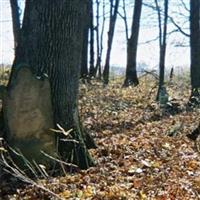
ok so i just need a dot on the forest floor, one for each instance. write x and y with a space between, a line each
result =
143 152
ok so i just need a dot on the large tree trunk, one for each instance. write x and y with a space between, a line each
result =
15 21
51 40
195 44
113 18
131 72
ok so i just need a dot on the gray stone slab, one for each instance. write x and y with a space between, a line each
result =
28 115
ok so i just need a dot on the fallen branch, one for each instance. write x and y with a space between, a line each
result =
153 73
19 174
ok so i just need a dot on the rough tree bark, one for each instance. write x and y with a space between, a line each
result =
84 59
113 18
50 42
131 72
195 45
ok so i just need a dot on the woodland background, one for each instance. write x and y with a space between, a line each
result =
122 133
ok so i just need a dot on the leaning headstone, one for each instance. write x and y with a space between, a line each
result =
28 115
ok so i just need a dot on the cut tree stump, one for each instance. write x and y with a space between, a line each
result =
28 115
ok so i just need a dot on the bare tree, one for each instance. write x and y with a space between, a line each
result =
101 40
98 59
84 58
113 18
92 68
131 72
162 44
124 18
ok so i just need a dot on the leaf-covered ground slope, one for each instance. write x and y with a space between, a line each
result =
136 158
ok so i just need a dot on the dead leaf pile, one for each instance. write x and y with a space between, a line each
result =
136 158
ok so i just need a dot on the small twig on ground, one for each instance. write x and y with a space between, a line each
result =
60 161
19 174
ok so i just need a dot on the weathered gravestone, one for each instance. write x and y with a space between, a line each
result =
28 115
